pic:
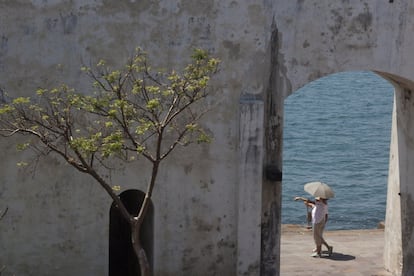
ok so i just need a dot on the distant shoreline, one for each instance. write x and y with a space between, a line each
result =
301 228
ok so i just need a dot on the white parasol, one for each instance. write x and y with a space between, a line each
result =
319 189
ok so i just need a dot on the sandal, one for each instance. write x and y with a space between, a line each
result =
330 249
316 255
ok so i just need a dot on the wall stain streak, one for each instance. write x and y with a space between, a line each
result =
271 192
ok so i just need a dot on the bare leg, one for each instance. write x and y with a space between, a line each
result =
317 236
325 243
319 240
330 248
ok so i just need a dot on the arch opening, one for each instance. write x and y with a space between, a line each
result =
122 260
337 130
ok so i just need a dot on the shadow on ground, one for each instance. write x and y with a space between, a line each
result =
369 244
340 257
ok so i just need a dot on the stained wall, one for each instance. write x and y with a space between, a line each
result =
208 198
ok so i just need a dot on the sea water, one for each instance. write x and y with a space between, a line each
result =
337 130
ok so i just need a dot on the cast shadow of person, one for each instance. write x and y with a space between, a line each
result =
336 256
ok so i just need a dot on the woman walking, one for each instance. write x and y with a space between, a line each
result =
319 219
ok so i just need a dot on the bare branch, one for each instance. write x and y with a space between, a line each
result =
4 213
9 131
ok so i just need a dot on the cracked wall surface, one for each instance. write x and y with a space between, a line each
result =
268 49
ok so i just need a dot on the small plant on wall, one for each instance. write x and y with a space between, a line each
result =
132 112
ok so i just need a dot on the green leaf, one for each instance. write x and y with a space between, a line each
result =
140 149
21 100
191 127
6 109
101 63
22 164
41 91
199 54
203 138
22 146
153 104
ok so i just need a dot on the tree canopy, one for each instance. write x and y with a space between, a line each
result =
124 115
131 112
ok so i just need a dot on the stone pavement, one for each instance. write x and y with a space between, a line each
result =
355 252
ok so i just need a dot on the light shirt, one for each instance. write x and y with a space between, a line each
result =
319 211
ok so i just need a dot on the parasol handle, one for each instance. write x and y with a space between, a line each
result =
308 212
301 198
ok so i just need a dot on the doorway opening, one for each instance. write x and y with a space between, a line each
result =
122 259
337 130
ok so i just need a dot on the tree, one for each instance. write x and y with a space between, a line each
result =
132 112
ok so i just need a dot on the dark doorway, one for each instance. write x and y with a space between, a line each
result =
122 260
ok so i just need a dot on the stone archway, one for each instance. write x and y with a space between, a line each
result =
351 35
399 235
337 129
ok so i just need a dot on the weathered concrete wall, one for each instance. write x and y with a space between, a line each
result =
57 222
250 187
343 35
404 109
392 240
268 50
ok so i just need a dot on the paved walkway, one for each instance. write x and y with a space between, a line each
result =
356 252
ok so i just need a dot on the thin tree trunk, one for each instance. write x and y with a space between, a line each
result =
138 249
